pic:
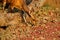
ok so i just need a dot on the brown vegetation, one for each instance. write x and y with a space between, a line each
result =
53 3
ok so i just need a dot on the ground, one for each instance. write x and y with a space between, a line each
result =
46 25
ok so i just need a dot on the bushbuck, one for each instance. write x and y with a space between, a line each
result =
20 5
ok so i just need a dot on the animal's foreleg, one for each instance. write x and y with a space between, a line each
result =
4 4
28 11
10 9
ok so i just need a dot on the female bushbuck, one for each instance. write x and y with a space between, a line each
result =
19 4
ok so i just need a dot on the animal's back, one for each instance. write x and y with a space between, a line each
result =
19 4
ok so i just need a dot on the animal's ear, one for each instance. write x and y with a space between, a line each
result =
28 1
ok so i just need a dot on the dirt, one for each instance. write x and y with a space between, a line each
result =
46 25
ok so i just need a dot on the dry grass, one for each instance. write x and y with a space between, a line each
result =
46 26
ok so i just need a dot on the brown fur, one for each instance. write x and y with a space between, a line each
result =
19 4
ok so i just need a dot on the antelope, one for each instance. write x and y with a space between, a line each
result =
19 4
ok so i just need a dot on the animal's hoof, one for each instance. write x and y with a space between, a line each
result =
10 11
30 24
